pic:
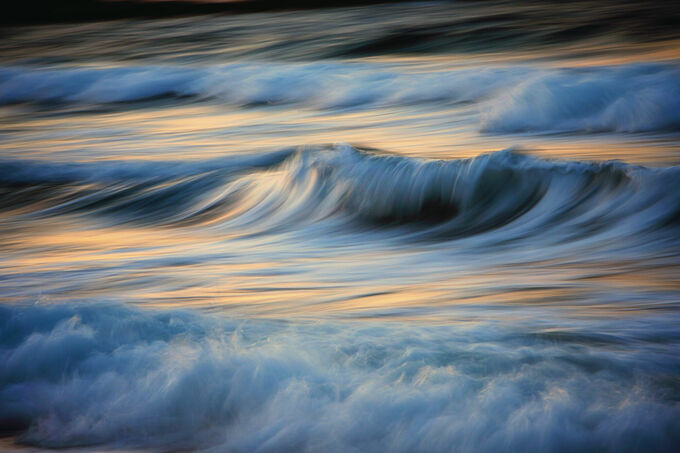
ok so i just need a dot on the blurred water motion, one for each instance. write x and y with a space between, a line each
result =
412 227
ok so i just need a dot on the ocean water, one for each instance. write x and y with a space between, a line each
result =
415 227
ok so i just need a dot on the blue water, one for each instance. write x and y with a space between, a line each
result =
379 228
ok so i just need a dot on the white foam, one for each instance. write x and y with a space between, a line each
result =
632 98
87 375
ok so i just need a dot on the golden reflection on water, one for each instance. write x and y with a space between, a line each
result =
213 130
210 268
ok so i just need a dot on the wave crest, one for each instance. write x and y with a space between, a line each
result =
637 98
626 98
325 185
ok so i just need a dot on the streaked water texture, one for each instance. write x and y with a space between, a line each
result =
417 227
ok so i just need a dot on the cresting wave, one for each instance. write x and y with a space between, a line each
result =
626 98
520 195
319 85
84 375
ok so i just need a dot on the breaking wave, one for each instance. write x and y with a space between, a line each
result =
627 98
517 194
76 375
319 85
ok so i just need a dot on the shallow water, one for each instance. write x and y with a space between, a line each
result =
419 227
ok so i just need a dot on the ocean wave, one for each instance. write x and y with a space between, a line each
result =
85 375
627 98
632 98
319 85
520 194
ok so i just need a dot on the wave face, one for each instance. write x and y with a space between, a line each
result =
627 98
520 195
76 375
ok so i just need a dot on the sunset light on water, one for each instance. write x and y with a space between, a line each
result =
397 227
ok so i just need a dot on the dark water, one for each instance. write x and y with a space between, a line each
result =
417 227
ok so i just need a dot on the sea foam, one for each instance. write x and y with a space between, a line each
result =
633 98
76 375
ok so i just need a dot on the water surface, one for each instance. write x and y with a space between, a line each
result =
416 227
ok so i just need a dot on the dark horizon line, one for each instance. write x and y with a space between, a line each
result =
35 12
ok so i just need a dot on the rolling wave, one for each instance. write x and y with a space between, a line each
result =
633 98
319 85
522 195
627 98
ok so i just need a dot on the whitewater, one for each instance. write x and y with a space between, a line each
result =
424 227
